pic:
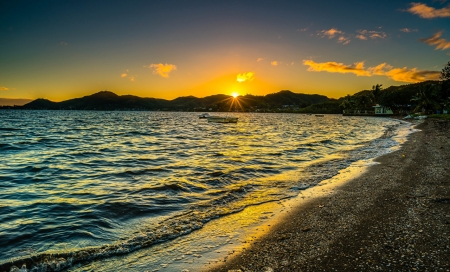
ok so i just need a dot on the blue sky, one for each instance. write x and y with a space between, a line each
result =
166 49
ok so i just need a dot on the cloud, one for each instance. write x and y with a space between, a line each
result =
375 34
436 40
63 43
330 33
274 63
397 74
408 30
334 67
424 11
302 29
162 69
128 76
366 34
343 40
249 76
4 89
380 69
259 59
412 75
361 37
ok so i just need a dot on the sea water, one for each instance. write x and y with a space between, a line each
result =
93 185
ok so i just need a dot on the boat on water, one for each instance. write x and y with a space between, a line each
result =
221 119
319 115
203 115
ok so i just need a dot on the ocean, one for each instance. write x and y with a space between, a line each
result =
97 190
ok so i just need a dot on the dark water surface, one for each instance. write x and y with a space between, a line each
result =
89 185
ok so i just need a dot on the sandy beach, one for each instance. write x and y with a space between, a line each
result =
394 217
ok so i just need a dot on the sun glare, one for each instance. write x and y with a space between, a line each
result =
234 94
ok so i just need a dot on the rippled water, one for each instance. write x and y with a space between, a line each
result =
88 185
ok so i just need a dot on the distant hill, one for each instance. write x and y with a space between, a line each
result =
13 102
399 98
106 100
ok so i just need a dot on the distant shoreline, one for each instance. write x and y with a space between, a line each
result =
395 217
11 102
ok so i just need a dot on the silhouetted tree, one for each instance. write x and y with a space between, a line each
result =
362 102
445 74
347 103
444 93
425 98
376 92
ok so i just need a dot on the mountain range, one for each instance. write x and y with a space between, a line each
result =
106 100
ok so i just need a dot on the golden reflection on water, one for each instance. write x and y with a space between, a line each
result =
189 172
224 237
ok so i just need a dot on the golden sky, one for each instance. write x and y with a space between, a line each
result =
166 49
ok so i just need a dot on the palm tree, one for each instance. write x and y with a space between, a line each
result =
445 74
425 98
364 101
444 93
347 103
376 92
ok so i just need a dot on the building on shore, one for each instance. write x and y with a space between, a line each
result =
378 110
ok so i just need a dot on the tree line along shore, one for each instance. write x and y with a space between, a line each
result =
424 97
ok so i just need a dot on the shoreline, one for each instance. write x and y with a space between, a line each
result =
395 216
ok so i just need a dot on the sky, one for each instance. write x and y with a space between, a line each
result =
60 50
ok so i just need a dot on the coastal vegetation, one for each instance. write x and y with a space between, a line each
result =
425 97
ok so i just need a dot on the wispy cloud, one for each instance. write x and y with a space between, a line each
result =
437 41
302 29
334 32
370 34
380 69
63 43
343 40
249 76
259 59
424 11
412 75
274 63
334 67
361 37
408 30
128 76
4 89
162 69
331 33
404 74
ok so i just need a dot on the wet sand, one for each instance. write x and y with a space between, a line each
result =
394 217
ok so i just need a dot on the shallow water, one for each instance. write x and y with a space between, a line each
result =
110 183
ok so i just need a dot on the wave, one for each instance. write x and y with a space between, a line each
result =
224 172
7 147
9 129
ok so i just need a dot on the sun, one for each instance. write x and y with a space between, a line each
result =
234 94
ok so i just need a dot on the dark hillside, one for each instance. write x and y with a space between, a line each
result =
106 100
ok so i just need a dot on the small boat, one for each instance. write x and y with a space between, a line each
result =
203 115
222 119
319 115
